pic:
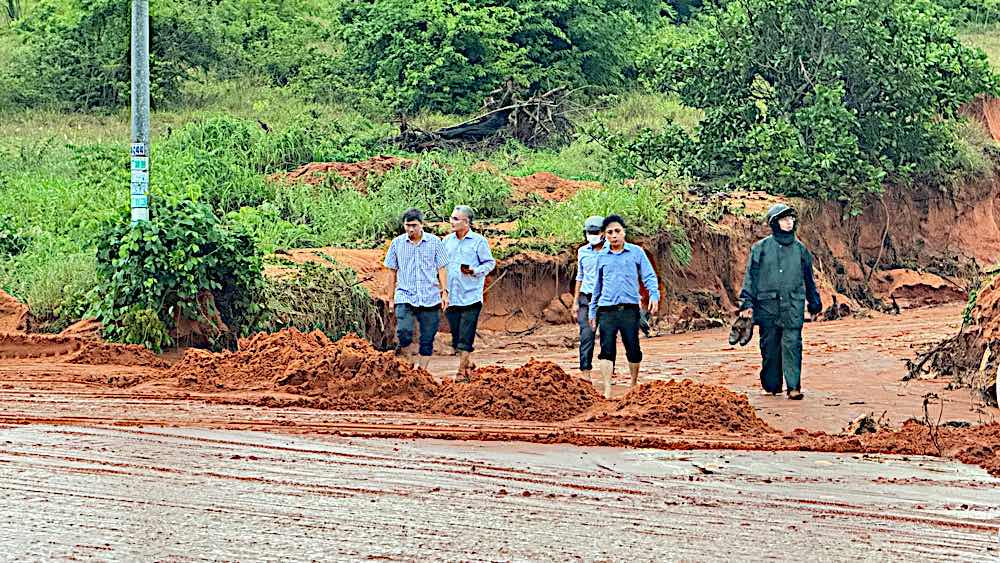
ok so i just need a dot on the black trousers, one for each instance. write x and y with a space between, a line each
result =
463 320
611 321
586 333
781 355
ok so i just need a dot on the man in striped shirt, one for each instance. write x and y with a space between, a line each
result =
417 261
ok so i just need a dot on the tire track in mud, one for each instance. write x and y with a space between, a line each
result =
176 493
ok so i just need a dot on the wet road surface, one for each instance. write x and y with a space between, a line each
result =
185 494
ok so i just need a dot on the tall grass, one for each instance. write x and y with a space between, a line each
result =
646 207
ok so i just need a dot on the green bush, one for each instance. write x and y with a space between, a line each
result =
78 52
172 265
821 99
448 55
328 299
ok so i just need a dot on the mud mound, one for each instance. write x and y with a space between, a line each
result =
971 357
13 314
548 186
74 350
349 374
89 329
104 354
535 391
975 445
916 289
686 405
355 172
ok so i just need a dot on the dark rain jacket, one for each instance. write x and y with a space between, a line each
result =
778 283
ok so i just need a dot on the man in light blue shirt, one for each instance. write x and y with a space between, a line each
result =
586 277
417 261
614 307
469 261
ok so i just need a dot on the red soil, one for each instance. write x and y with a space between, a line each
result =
535 391
355 172
13 314
347 374
685 405
976 445
548 186
74 350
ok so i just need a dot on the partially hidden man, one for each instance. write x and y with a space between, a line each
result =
776 288
586 278
417 261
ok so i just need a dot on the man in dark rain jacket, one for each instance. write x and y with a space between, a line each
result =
778 284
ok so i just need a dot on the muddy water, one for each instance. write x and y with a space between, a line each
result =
189 494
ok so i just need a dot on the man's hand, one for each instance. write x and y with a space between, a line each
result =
392 305
654 307
593 325
746 313
444 299
575 308
467 270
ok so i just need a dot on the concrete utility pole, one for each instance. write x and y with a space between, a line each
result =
140 110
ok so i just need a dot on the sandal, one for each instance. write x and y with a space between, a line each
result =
795 394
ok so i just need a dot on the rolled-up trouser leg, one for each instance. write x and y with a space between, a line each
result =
791 357
770 353
587 334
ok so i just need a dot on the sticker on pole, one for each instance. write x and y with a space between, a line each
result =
140 201
140 177
140 189
140 163
139 149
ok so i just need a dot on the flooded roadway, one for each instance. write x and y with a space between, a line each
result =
185 494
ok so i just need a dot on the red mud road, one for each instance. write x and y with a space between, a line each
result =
192 494
91 471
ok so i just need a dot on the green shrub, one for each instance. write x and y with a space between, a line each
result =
82 46
821 99
185 262
448 55
143 326
328 299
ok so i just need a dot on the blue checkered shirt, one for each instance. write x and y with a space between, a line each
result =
416 267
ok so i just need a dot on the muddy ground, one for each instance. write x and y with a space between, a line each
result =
94 456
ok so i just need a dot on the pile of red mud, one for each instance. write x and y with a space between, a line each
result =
346 375
916 289
539 391
975 445
972 357
13 314
548 186
355 172
685 405
75 350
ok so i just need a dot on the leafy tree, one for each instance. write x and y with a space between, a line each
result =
79 52
822 97
447 55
